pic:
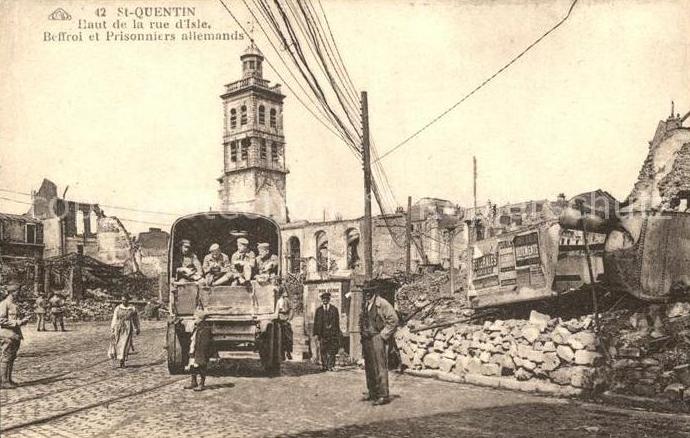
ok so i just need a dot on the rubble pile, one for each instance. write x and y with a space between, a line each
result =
426 297
650 351
540 354
89 309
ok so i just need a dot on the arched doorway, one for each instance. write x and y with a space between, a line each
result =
321 251
352 245
294 255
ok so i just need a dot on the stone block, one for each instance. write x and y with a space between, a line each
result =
548 346
432 360
523 350
551 361
446 365
586 357
629 352
418 357
449 354
581 377
531 333
439 346
496 358
582 341
540 320
528 364
522 374
562 376
484 356
508 362
560 335
474 366
463 347
491 369
649 362
535 356
565 353
461 364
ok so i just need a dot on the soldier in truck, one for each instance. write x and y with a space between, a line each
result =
217 267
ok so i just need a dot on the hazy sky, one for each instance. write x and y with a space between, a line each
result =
139 124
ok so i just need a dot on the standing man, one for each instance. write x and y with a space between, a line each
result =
10 336
57 311
283 314
243 261
327 331
40 311
377 325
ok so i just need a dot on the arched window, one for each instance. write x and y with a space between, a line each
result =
245 149
243 115
262 150
321 251
233 151
262 115
275 152
233 118
273 118
352 241
294 255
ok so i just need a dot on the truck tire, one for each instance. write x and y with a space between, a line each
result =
178 349
271 349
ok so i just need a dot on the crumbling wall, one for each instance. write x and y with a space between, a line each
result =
676 184
540 354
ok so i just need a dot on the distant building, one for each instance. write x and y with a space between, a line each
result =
21 238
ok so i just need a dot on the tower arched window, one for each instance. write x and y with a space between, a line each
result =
233 118
262 150
262 115
321 251
244 152
273 118
243 115
275 152
233 151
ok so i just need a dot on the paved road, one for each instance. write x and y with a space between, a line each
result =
70 390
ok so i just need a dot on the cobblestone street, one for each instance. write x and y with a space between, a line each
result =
69 388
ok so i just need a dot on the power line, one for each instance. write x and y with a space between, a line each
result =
499 71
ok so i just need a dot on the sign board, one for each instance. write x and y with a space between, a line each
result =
312 300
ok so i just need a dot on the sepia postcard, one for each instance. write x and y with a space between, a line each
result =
341 218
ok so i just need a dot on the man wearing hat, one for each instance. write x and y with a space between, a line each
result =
190 268
10 335
266 263
243 261
216 266
327 331
57 311
378 322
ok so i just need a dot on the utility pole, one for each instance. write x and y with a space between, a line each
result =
451 255
367 234
408 236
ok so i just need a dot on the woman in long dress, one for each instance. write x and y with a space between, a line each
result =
124 325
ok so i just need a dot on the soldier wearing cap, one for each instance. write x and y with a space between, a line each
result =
190 268
243 261
10 335
266 263
327 331
57 311
216 267
378 322
40 311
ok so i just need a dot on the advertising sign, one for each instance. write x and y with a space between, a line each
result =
526 249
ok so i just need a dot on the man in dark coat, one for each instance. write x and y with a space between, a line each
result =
199 351
327 331
378 323
10 335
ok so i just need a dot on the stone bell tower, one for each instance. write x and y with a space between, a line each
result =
254 171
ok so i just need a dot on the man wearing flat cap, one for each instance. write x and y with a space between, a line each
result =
216 267
377 324
266 263
10 335
243 261
190 268
327 331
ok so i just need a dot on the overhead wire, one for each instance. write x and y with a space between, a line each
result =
477 88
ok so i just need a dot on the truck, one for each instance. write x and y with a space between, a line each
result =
241 316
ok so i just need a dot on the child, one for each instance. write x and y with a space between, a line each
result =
199 351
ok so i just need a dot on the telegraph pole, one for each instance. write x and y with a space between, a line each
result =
474 173
408 236
367 234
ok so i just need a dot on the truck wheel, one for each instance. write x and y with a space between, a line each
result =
271 349
178 349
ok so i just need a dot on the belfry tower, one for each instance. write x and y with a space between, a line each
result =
254 171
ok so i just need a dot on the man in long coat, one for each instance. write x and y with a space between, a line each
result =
10 335
378 323
327 331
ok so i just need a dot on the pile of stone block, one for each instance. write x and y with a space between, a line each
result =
543 353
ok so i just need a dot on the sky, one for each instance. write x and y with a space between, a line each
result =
139 124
